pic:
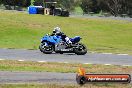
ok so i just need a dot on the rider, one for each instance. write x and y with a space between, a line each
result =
57 31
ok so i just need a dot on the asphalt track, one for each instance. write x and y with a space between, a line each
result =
93 58
8 77
37 77
53 77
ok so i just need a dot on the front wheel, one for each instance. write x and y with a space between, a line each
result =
80 49
47 49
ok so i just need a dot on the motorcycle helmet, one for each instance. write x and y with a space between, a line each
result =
57 30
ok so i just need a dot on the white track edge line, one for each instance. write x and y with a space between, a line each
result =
2 59
20 60
106 53
122 54
42 61
87 63
107 64
126 65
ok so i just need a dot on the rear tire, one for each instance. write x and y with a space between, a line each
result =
81 50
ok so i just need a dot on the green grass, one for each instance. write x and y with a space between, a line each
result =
105 85
36 86
9 65
21 30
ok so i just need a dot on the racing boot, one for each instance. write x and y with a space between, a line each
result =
68 42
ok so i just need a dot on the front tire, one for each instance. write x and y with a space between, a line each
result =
47 49
81 49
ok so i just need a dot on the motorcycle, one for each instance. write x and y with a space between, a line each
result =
50 44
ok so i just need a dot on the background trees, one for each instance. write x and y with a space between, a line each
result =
21 3
114 7
90 6
38 2
68 4
1 1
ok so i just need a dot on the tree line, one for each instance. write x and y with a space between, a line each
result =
21 3
114 7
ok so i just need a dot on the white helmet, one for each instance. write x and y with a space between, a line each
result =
57 30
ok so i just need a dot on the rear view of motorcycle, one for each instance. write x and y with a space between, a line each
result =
50 44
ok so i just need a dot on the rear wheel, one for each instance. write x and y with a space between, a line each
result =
47 49
80 49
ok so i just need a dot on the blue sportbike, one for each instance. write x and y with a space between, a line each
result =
50 44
